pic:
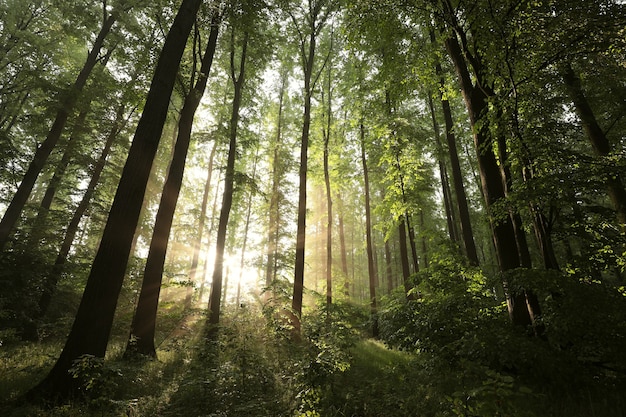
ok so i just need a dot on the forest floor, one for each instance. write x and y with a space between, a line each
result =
254 369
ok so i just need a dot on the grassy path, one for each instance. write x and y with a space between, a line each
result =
378 383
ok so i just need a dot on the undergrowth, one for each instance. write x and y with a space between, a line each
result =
449 351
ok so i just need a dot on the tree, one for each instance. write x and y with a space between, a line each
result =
368 235
459 188
326 133
238 77
316 16
90 332
13 211
143 327
477 95
597 137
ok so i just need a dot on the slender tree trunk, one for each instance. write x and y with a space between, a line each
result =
298 282
424 243
245 230
205 269
39 225
274 209
404 255
329 201
201 223
443 174
92 326
412 242
389 268
457 175
342 246
51 280
14 210
229 182
143 327
368 237
597 138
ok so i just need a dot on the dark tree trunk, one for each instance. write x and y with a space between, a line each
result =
389 268
329 201
238 79
143 327
51 281
368 237
14 210
597 138
443 174
92 326
424 242
404 255
40 223
457 175
298 282
493 187
412 242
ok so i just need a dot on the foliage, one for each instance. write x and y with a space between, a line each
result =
457 325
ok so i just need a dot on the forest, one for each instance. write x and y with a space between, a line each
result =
372 208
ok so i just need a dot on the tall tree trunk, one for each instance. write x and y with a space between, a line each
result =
39 225
205 269
193 269
273 232
329 201
14 210
308 60
443 174
404 255
50 281
597 138
503 232
90 332
389 268
368 236
246 229
238 78
143 326
342 248
457 175
412 242
424 242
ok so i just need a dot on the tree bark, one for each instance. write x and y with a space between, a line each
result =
503 233
329 201
342 248
274 209
443 174
92 326
457 175
143 327
229 182
368 236
51 281
597 138
404 255
308 59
